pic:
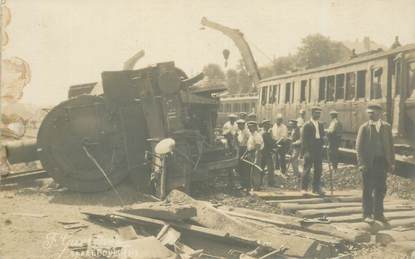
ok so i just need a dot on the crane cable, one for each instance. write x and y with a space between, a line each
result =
262 52
105 175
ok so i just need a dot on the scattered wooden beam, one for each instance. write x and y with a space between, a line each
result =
358 217
162 210
314 213
299 201
127 232
385 237
318 200
213 218
294 223
275 195
168 236
147 247
156 223
289 208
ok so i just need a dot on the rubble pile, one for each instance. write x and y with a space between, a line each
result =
183 227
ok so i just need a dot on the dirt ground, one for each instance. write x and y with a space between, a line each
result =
30 214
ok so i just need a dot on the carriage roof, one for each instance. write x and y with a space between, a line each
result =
358 59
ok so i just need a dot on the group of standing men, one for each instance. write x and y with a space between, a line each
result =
263 148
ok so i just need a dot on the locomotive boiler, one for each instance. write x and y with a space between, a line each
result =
96 139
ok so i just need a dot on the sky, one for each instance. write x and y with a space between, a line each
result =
72 42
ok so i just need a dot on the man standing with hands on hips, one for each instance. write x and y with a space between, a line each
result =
375 157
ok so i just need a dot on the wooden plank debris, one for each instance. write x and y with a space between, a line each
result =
155 223
289 208
294 223
146 247
162 210
287 195
317 200
127 232
33 215
314 213
186 251
68 222
75 226
358 217
168 236
213 218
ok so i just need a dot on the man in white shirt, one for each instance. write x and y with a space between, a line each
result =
334 137
255 145
243 135
229 130
280 135
301 119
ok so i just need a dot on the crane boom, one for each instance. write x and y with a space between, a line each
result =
238 38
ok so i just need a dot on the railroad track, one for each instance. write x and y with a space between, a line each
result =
23 176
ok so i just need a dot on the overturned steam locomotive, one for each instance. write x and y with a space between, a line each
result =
94 140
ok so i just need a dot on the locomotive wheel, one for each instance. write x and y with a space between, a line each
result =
75 124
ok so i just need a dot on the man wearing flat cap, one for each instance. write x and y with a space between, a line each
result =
334 136
280 135
243 115
312 150
251 117
375 157
229 130
267 151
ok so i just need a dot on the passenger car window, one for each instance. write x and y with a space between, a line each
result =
339 86
361 84
322 89
264 93
287 92
303 91
330 88
376 80
350 85
411 79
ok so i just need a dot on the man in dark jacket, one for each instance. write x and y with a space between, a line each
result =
312 136
375 157
334 137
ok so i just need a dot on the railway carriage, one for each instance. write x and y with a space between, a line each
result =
235 104
383 77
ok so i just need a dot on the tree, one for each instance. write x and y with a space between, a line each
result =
282 65
214 72
232 81
317 50
244 81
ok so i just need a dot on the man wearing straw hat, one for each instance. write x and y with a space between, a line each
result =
229 130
